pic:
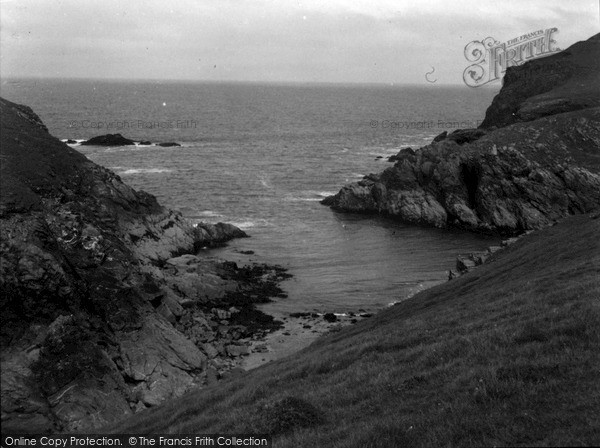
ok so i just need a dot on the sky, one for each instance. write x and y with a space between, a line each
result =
342 41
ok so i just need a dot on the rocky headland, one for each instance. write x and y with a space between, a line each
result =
108 305
534 160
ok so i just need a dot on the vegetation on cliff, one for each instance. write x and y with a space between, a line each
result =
106 308
535 158
505 355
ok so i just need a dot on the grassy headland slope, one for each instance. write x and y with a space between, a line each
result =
534 159
505 355
562 82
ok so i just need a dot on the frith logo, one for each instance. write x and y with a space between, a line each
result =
490 58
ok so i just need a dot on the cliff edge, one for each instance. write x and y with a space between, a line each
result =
563 82
535 158
106 306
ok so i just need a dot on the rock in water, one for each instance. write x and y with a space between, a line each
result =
535 158
330 317
109 140
87 310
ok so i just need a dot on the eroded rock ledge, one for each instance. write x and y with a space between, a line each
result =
535 162
107 306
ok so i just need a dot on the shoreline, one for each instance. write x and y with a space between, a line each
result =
299 330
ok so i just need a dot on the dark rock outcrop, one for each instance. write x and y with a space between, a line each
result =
168 144
460 136
562 82
105 309
441 136
511 176
109 140
401 153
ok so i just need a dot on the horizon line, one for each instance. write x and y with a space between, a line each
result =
4 79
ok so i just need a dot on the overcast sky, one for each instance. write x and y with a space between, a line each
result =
383 41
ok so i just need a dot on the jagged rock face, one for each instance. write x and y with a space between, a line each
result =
566 81
519 176
87 329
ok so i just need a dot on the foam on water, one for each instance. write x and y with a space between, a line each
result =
309 196
245 224
72 145
209 214
264 181
145 171
265 164
112 149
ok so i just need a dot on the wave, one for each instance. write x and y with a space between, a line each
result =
310 196
210 217
136 144
146 171
76 140
244 224
209 214
247 224
265 181
125 148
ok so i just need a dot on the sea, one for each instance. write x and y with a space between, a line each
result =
262 156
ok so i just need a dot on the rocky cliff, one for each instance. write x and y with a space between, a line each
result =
534 159
106 305
563 82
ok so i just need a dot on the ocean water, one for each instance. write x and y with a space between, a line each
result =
262 156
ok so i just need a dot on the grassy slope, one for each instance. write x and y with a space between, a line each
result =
508 354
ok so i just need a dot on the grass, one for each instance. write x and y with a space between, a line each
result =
507 354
